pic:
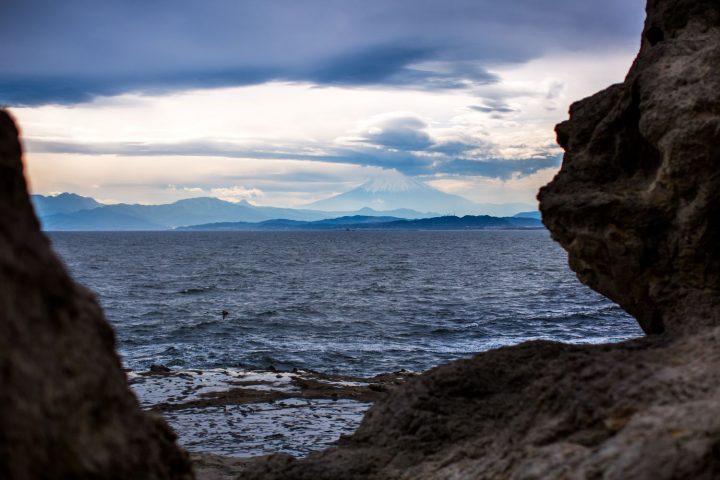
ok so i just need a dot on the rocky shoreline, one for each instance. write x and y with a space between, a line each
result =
242 413
227 386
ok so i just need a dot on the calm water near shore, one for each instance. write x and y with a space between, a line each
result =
352 303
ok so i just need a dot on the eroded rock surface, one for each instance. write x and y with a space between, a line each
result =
645 409
636 206
65 407
637 202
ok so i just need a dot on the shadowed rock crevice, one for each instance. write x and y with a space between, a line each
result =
65 407
636 207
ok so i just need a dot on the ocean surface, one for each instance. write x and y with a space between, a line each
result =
341 302
337 302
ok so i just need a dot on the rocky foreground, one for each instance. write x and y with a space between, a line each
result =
226 415
65 407
247 413
637 206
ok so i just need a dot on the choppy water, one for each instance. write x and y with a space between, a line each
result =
341 302
337 302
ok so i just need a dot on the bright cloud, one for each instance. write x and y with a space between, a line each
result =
236 193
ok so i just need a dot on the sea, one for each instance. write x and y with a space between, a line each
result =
338 302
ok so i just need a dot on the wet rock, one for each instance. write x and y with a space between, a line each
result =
159 369
636 206
65 407
216 467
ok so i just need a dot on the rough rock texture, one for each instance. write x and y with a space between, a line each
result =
65 408
637 202
636 206
645 409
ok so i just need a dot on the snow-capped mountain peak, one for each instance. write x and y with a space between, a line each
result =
392 183
395 191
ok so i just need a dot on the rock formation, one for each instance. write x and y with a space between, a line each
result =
636 206
65 408
636 203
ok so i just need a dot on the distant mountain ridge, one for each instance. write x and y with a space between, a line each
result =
534 214
62 203
359 222
73 212
399 191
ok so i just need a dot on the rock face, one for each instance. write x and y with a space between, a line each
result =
65 408
636 206
540 410
637 201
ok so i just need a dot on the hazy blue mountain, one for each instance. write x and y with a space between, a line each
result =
274 225
68 211
398 213
97 219
190 211
392 196
534 214
502 209
63 203
59 213
468 222
285 224
390 193
358 222
397 192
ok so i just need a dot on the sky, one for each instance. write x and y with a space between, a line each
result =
285 102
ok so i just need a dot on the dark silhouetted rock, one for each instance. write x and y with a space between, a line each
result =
637 202
159 369
65 408
636 206
540 410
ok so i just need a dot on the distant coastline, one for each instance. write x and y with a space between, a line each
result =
71 212
358 222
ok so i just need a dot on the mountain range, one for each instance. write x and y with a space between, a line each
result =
63 203
68 211
394 199
398 191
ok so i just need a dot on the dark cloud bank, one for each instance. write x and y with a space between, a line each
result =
69 51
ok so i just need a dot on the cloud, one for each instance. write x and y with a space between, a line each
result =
491 190
192 190
401 149
405 133
395 65
501 168
236 193
73 50
492 105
